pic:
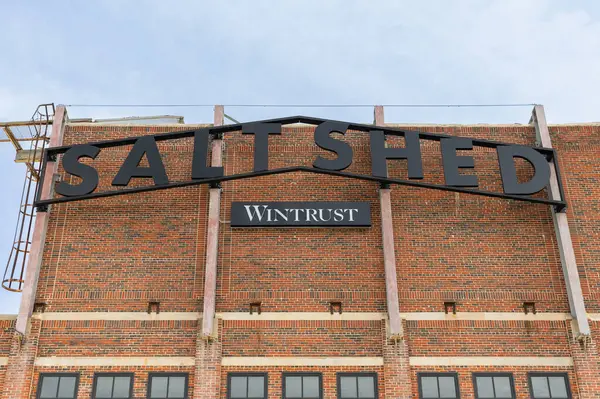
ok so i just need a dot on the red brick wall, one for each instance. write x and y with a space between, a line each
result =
125 338
302 338
142 250
578 149
6 335
488 255
488 338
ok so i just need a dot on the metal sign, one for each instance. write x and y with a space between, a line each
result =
455 167
294 214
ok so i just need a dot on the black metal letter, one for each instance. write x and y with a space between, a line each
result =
87 173
199 168
541 174
261 133
411 152
130 168
326 142
452 162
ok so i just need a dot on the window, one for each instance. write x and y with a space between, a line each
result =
302 386
438 385
167 385
112 385
549 385
58 386
494 385
247 385
357 385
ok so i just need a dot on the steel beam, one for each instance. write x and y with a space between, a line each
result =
562 231
212 234
389 253
38 238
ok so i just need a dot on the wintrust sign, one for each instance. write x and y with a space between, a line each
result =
284 214
455 167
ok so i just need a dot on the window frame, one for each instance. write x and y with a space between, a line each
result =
563 374
109 374
500 374
359 374
247 374
301 374
41 376
168 374
444 374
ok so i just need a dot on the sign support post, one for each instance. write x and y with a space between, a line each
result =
563 233
212 234
389 253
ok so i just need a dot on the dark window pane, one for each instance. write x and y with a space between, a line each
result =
502 385
176 387
121 387
293 387
311 386
256 387
429 387
66 388
159 387
366 387
558 387
104 387
447 387
540 388
348 387
238 387
49 387
485 389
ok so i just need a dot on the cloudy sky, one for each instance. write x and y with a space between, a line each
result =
294 52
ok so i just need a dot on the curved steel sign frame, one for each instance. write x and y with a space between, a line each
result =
145 146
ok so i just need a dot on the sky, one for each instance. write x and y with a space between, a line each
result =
341 52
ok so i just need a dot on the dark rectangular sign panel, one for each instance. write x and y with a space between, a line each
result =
293 214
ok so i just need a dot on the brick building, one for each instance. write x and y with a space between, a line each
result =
447 294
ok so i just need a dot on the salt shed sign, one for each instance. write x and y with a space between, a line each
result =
455 167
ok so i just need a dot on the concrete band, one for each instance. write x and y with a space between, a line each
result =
115 361
325 316
492 361
525 361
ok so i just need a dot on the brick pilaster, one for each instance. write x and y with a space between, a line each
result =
18 379
396 368
207 378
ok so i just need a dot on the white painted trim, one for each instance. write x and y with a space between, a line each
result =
491 361
594 316
117 316
114 361
488 316
325 316
301 316
3 361
8 317
302 361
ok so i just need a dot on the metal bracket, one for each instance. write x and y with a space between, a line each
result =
450 306
39 307
255 306
216 184
529 307
335 306
154 305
